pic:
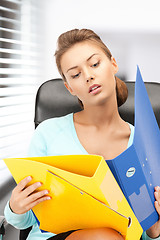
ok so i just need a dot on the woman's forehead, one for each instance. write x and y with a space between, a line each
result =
80 52
84 48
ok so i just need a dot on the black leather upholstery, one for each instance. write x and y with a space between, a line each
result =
54 100
24 233
127 109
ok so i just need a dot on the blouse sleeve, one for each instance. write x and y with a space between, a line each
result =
20 221
146 237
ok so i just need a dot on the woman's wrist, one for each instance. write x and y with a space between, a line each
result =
152 233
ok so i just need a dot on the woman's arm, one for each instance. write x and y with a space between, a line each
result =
19 221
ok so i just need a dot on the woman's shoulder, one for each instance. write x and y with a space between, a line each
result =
131 127
47 133
55 122
131 135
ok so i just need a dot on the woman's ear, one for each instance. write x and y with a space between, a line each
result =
114 64
69 88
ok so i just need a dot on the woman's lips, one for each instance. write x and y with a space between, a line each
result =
95 88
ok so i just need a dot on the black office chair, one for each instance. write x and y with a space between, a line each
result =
53 100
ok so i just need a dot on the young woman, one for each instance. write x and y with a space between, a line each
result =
88 70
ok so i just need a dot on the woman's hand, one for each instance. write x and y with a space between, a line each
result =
24 198
154 231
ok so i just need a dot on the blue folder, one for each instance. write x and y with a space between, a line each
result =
137 170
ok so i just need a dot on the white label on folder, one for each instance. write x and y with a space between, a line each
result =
131 171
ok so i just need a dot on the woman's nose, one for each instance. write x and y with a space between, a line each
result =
88 75
88 79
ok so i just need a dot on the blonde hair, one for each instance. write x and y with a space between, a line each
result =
70 38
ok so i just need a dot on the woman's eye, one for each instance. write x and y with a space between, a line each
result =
76 75
96 64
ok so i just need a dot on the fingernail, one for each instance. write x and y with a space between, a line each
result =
157 188
46 192
156 195
48 198
29 178
39 184
156 203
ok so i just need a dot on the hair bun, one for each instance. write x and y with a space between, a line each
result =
122 91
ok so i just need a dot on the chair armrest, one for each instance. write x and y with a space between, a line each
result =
3 224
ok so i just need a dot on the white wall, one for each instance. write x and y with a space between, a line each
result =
136 48
131 30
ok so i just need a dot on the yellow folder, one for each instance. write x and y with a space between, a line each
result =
84 194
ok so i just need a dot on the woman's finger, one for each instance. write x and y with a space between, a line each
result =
157 188
157 206
30 189
33 197
157 193
22 184
39 200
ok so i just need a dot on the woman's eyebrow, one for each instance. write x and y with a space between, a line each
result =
72 68
87 61
92 56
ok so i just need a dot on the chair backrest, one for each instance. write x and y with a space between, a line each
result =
54 100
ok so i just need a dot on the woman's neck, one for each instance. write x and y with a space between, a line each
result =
99 116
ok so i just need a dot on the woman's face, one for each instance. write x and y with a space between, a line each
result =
89 73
